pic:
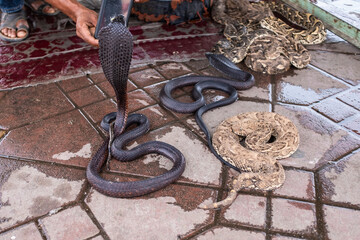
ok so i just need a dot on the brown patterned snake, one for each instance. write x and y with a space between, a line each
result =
267 136
266 43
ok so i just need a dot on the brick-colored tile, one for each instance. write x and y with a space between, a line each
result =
344 66
146 77
67 139
75 224
86 96
28 231
298 184
25 105
74 83
342 223
98 77
107 88
173 69
218 233
197 64
247 210
321 140
334 109
339 181
139 99
352 98
164 214
293 216
155 89
31 190
98 110
312 87
157 116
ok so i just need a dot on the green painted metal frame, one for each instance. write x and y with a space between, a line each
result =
331 22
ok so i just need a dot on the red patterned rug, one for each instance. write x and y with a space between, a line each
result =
53 51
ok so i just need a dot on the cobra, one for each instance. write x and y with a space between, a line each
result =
115 53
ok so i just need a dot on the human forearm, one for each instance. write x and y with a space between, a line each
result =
69 7
85 18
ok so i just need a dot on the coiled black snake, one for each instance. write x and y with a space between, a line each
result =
115 55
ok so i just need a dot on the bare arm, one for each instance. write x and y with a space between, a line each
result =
85 18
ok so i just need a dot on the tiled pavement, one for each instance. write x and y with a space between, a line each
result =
49 133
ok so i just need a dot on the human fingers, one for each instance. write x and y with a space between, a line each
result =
84 31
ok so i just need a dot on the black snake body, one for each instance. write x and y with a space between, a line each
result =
115 53
240 81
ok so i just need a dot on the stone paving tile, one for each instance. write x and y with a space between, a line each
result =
321 140
98 110
352 124
146 77
192 124
173 69
343 66
86 96
246 210
202 166
165 214
3 93
306 86
75 224
25 105
261 89
67 139
214 117
342 223
98 77
284 212
97 238
28 231
74 83
157 116
210 71
352 98
139 99
29 190
279 237
339 47
340 181
298 184
109 90
155 89
219 233
334 109
197 64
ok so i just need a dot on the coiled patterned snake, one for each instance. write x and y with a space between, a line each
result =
115 55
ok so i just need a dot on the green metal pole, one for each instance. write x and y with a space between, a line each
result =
341 28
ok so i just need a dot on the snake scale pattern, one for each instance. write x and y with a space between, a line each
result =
115 54
268 44
253 142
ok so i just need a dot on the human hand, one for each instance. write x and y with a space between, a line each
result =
85 26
